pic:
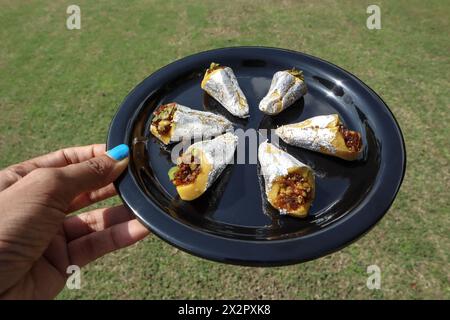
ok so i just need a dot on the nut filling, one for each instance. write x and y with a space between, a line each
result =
187 170
163 118
294 191
213 67
352 139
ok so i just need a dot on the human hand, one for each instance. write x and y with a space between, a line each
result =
38 241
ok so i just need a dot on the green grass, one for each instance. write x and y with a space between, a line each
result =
60 88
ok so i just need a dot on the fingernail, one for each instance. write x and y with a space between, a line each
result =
119 153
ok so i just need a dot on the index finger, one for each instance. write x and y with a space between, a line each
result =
56 159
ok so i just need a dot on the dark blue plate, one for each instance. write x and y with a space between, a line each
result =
232 222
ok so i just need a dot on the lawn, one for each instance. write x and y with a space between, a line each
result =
61 88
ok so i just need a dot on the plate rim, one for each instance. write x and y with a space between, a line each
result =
368 225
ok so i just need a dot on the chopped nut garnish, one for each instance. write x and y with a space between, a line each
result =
294 191
188 170
352 139
163 117
213 67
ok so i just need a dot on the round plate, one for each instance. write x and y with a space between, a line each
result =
232 221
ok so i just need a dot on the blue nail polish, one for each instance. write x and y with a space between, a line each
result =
119 153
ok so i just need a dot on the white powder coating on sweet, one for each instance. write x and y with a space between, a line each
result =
316 135
275 162
284 90
190 123
222 85
322 121
219 153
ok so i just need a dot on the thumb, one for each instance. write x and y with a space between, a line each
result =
94 173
